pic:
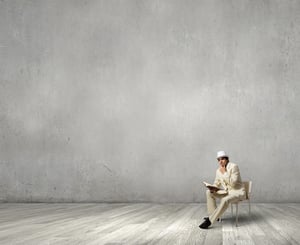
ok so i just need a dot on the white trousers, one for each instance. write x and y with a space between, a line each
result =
216 212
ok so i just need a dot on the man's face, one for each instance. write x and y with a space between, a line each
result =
222 161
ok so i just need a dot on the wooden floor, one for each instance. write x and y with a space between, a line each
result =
145 224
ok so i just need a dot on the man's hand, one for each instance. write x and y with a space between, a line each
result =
223 169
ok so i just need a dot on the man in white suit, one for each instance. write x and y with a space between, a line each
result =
228 177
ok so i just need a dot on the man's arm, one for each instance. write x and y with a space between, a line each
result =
235 177
217 181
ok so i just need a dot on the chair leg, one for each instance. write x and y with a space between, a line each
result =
249 206
236 214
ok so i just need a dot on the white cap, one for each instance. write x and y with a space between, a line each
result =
221 154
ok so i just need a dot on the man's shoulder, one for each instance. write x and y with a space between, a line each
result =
232 165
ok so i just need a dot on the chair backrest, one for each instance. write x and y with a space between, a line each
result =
248 188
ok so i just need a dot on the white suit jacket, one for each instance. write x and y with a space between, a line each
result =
231 180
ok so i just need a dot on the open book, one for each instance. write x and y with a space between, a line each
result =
214 188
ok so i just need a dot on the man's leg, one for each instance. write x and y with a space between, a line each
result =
211 201
211 207
225 201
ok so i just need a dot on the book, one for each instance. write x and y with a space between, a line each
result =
214 188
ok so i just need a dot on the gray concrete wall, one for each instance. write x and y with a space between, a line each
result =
130 100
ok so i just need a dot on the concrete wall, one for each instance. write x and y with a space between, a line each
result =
131 100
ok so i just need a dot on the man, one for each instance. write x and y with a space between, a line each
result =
227 176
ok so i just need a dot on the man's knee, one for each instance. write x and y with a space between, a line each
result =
227 200
209 194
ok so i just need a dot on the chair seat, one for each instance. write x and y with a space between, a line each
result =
240 200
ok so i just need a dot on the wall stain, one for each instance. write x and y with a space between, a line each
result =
108 169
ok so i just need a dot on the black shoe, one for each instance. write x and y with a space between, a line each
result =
205 224
218 219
